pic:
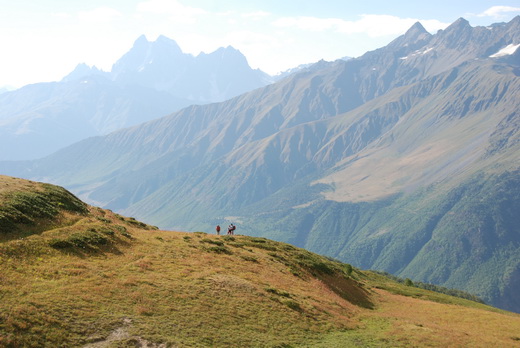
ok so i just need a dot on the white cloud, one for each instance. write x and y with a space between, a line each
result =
498 12
371 25
171 8
99 15
309 23
256 15
61 15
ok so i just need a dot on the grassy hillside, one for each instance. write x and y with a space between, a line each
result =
93 278
28 207
464 236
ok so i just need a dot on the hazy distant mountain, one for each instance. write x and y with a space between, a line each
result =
151 80
83 71
404 159
5 89
299 68
39 119
285 73
206 78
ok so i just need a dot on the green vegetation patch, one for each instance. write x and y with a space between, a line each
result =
426 286
88 239
26 207
135 223
278 292
219 250
212 241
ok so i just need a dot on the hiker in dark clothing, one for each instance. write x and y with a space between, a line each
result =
218 230
231 229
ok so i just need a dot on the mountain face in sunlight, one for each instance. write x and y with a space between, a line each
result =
404 160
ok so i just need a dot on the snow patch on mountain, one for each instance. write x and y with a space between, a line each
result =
418 53
506 51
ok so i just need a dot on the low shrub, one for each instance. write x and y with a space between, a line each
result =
211 241
120 229
249 258
228 238
60 244
87 239
278 292
293 305
219 250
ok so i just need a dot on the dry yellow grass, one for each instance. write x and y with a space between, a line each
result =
416 322
167 287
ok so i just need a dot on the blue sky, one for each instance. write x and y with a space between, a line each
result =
45 40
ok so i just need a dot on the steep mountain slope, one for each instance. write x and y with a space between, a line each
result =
39 119
93 278
382 161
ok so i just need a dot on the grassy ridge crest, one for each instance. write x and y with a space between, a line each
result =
28 207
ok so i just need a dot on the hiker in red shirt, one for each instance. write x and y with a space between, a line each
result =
218 229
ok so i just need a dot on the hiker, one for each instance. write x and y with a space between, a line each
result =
218 230
231 229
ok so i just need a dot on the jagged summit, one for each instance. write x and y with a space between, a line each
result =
459 23
146 53
208 77
225 53
83 70
416 29
169 43
141 40
455 29
414 37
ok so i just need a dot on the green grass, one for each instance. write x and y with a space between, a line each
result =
22 201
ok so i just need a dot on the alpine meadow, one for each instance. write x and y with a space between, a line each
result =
75 275
377 199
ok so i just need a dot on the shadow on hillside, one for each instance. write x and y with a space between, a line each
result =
349 289
112 248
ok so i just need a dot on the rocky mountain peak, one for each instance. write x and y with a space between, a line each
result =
456 36
460 23
82 70
456 28
228 55
414 36
416 33
416 30
170 44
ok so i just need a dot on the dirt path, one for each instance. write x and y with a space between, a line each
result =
120 334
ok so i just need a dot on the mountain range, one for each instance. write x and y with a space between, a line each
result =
152 80
403 160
